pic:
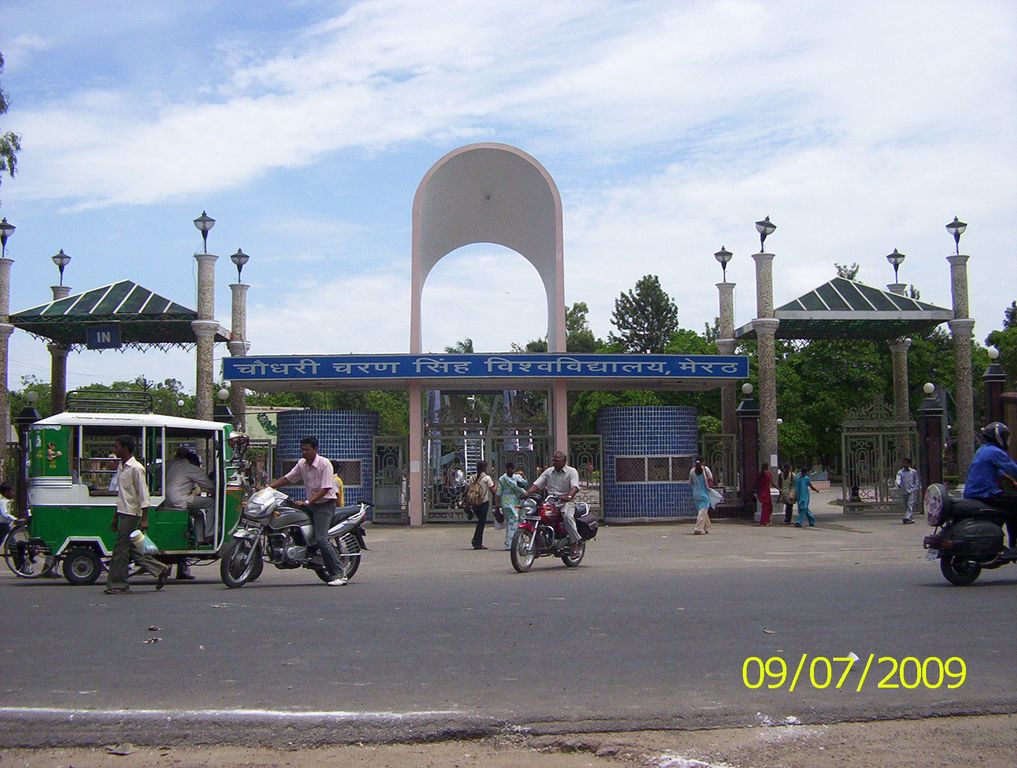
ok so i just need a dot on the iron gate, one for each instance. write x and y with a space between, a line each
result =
873 445
390 480
718 452
586 456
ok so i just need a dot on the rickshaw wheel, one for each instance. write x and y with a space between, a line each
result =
82 566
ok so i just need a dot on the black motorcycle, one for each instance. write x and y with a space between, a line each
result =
968 537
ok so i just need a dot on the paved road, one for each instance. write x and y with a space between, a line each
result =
434 638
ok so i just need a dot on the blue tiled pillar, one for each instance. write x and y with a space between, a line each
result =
648 432
346 435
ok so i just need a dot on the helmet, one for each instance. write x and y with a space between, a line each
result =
996 433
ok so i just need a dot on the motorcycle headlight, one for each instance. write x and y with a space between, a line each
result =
263 503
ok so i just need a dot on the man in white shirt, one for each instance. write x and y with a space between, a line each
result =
131 515
910 488
563 481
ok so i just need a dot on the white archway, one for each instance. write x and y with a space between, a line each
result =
486 193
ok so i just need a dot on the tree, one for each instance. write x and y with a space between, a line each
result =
846 271
10 142
578 335
1005 341
646 317
464 347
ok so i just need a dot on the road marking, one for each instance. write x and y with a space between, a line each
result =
238 714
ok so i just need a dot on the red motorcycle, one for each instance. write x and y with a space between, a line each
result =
542 533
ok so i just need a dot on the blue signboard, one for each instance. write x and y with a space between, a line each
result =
102 336
507 366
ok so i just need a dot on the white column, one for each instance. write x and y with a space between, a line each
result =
765 326
6 329
961 327
58 361
238 346
726 346
415 503
204 330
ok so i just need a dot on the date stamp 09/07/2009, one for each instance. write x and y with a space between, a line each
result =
884 672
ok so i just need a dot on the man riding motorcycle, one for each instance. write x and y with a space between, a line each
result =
563 481
991 464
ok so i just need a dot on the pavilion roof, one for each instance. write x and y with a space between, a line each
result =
143 316
847 309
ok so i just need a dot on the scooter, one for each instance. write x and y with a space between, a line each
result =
542 533
968 537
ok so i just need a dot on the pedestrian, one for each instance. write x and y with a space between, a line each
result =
910 488
786 485
803 484
7 519
763 487
701 478
315 472
511 487
480 495
131 515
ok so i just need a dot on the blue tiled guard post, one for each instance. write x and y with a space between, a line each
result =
651 433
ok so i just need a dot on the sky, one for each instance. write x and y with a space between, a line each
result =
305 127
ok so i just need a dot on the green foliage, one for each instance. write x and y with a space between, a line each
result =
848 272
578 335
645 317
10 143
1005 340
464 347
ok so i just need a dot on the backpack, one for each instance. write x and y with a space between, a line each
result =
476 492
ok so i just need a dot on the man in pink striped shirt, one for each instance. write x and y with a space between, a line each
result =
315 472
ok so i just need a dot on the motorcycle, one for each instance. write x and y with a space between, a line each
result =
272 529
542 533
969 536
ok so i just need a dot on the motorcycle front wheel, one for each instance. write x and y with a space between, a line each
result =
959 571
571 561
235 568
522 557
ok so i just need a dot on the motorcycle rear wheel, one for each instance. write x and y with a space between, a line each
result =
522 557
348 550
959 571
233 569
573 562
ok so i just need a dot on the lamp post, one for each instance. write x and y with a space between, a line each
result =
6 329
61 259
961 329
204 326
765 228
222 412
896 259
237 344
240 258
723 256
956 228
765 326
204 224
25 419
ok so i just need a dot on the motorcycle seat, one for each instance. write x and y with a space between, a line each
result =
342 513
971 507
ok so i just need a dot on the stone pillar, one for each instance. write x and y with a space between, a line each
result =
748 450
238 347
899 364
204 330
994 379
765 326
726 346
930 442
58 361
415 503
961 328
6 329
